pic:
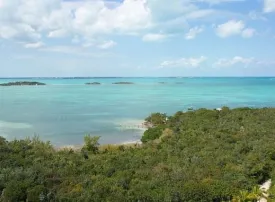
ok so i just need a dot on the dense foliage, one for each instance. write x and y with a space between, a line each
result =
201 155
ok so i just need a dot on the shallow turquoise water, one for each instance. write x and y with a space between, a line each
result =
65 110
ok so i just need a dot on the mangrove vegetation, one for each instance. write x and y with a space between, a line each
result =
198 155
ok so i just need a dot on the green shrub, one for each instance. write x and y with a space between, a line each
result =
156 119
200 155
152 134
91 143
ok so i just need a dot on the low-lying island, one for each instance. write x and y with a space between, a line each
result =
23 83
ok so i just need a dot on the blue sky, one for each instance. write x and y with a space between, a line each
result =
137 38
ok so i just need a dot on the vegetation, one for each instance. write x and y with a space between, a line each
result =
156 119
91 144
23 83
199 155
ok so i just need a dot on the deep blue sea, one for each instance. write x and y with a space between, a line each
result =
65 109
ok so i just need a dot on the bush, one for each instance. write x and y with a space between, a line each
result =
200 155
156 119
91 143
37 193
152 134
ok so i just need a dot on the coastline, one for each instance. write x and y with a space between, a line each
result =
77 148
193 147
124 125
63 114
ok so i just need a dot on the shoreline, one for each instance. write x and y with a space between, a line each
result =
79 147
133 125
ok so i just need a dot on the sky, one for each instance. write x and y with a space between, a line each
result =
137 38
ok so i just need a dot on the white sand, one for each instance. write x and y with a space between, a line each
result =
131 142
72 147
265 187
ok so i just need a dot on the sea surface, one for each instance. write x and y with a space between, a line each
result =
66 109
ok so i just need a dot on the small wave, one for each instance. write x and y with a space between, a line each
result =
130 125
127 128
14 125
128 121
3 134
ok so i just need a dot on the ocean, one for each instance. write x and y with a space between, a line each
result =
65 110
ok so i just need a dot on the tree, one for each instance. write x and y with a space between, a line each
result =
152 134
91 143
156 119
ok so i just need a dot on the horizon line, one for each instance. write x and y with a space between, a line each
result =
112 77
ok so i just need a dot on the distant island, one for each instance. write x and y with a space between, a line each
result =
23 83
93 83
123 83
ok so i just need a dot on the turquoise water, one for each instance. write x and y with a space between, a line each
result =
65 110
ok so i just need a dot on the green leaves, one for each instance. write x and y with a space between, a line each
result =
91 143
152 134
200 155
156 119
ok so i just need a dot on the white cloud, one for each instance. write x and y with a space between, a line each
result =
34 45
174 17
57 33
162 11
93 18
154 37
233 28
248 33
233 61
269 6
256 16
265 62
243 61
29 20
73 50
56 18
218 1
107 44
184 62
193 32
230 28
197 14
20 32
62 49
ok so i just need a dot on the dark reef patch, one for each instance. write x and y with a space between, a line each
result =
123 83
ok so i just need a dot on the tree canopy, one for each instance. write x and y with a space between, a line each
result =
198 155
